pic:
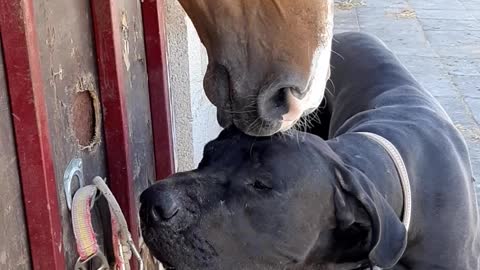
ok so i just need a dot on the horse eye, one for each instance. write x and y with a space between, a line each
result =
260 186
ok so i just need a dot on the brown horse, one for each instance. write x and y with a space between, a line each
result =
269 60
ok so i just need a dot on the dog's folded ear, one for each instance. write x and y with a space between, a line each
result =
387 233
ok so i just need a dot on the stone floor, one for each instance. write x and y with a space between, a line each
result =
439 41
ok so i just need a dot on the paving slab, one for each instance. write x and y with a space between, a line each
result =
346 20
461 66
439 42
469 86
474 105
430 73
437 4
455 43
475 14
449 25
445 14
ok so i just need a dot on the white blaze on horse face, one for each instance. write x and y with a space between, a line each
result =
316 86
320 73
258 48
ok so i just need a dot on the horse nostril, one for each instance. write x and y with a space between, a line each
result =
274 105
279 99
164 209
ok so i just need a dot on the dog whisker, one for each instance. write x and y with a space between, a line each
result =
240 112
338 54
333 84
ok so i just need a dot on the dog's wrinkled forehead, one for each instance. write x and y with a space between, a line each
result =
233 148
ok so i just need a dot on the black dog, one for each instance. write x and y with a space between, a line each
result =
299 202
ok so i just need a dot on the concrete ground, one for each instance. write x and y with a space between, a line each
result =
439 41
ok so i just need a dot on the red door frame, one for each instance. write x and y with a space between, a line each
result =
153 13
34 153
112 94
111 79
28 106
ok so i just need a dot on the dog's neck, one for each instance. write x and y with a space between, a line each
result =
369 157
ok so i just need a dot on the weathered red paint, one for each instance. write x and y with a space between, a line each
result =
27 100
112 92
155 47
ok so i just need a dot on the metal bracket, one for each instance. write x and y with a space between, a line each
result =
83 265
74 168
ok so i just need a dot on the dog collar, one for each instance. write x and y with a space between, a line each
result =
403 174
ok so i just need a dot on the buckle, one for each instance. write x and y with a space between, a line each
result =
99 257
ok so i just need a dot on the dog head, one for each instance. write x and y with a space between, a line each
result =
270 203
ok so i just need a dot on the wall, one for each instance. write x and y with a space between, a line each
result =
194 117
68 64
69 71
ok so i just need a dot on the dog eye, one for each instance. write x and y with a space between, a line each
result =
260 186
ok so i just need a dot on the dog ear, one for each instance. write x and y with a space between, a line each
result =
388 234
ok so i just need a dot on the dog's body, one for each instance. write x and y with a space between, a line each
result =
302 203
373 93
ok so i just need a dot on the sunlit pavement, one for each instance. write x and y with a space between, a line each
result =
439 42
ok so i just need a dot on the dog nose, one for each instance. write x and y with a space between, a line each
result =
164 208
159 203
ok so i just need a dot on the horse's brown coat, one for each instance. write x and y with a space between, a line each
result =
259 50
